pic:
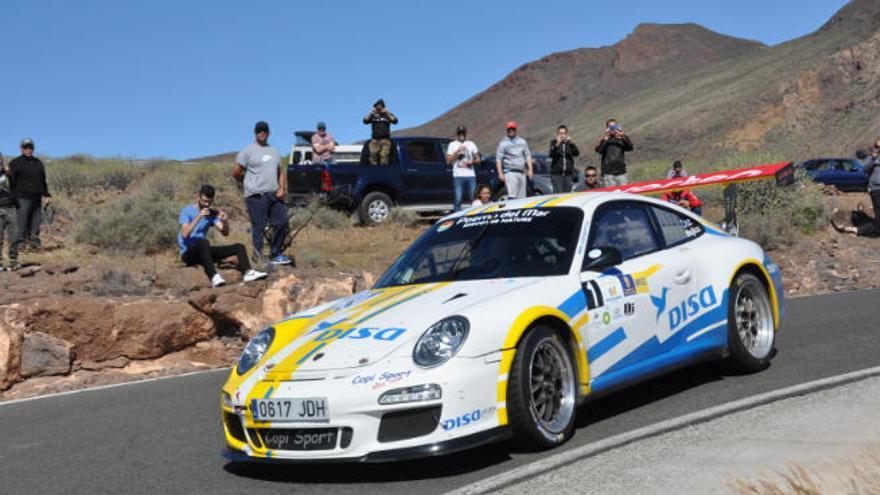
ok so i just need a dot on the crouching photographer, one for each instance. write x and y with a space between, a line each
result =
195 222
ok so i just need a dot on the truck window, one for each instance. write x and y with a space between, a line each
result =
422 151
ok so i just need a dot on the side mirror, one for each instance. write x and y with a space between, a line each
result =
601 258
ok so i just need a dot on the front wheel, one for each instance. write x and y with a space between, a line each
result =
375 208
542 391
751 329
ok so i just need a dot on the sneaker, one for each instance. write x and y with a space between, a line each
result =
217 280
281 260
252 275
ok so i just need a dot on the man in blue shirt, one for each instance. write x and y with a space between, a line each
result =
195 222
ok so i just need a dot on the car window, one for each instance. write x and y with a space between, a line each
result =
541 166
847 166
675 227
422 151
626 227
823 166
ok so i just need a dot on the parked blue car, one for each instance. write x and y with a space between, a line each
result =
846 174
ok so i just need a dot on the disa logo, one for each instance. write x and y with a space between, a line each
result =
687 308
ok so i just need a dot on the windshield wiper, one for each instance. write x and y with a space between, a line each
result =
467 250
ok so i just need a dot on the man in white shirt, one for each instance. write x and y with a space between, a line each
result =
463 156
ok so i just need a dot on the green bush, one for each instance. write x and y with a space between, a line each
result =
319 216
139 223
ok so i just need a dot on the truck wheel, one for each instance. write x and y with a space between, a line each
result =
542 390
375 208
751 331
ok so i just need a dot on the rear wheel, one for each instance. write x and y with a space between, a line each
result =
751 329
542 390
375 208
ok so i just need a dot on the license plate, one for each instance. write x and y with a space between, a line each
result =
300 439
312 409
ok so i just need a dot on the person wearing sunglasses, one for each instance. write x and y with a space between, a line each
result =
27 180
591 180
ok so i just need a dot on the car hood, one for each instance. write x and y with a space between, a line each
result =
369 326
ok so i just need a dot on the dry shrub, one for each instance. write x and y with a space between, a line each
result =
316 215
117 282
81 174
776 217
139 223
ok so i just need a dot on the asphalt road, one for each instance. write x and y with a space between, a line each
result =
165 437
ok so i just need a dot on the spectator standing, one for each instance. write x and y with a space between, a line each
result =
27 180
265 187
195 221
513 162
380 119
483 195
562 154
7 219
677 170
686 199
462 154
613 146
323 145
873 171
591 180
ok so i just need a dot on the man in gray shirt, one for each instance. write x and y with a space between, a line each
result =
513 160
265 188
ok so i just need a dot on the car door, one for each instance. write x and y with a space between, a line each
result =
427 178
627 332
850 176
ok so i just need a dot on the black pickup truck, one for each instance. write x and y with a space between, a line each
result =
417 178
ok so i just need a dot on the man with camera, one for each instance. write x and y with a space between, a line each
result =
462 155
562 154
195 222
381 119
613 146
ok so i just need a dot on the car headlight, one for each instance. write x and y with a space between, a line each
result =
441 341
255 350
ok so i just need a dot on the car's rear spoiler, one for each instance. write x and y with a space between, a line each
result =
782 172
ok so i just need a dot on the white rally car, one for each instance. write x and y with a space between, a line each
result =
497 322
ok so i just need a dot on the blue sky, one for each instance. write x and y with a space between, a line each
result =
181 79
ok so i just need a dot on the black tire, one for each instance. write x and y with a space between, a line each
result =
375 208
751 331
526 416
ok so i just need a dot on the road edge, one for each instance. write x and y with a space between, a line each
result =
561 459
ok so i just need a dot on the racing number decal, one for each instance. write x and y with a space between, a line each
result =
594 295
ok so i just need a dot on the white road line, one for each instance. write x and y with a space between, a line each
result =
112 385
556 461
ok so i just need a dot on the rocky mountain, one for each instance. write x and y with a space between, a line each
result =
683 91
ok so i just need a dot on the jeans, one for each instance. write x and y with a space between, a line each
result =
609 180
202 253
561 183
875 202
464 188
265 208
380 151
7 231
30 215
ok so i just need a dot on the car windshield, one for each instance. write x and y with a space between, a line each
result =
534 242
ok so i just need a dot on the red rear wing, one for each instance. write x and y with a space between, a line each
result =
782 172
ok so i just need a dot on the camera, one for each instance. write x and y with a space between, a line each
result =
213 212
461 156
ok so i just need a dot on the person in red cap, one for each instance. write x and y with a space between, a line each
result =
513 160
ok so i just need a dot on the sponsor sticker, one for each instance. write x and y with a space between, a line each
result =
445 225
467 418
372 333
379 380
627 284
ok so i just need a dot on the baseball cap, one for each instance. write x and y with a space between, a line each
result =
321 125
27 142
511 125
261 127
461 130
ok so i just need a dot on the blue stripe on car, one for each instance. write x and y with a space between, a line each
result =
606 344
574 304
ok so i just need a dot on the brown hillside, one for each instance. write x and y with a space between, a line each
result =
685 91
